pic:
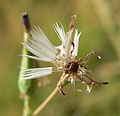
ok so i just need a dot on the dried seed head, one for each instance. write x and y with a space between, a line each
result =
71 67
63 57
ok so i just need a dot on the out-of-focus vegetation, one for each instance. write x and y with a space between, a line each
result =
100 24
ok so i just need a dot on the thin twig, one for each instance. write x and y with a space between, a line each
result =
50 97
42 106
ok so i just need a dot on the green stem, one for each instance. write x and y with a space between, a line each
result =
26 110
25 64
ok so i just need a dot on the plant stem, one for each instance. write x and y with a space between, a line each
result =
50 97
26 110
26 63
42 106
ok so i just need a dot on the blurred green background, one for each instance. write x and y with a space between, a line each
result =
99 21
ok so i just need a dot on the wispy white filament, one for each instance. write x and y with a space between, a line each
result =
38 58
66 39
60 32
40 46
76 42
68 44
36 72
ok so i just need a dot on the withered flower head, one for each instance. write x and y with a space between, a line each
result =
63 57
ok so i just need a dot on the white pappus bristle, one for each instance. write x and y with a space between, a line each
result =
36 72
40 46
